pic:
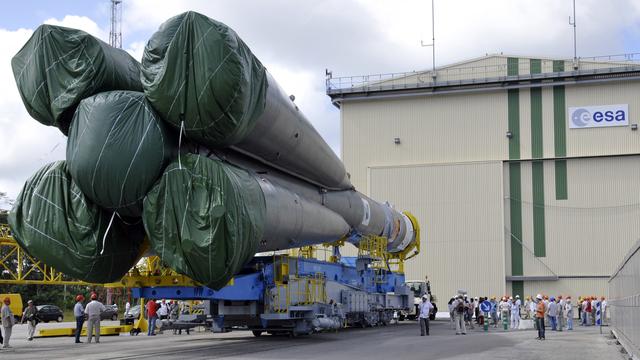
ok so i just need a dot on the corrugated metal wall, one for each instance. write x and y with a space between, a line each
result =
459 207
624 305
437 129
568 287
588 233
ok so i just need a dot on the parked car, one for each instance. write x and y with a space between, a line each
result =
110 314
48 313
133 314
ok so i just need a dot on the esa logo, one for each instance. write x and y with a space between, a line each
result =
598 116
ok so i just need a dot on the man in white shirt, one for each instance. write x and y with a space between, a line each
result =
425 308
93 310
603 306
515 313
568 309
163 311
561 307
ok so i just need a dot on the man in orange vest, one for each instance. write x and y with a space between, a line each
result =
540 312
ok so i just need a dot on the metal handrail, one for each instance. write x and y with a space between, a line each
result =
414 79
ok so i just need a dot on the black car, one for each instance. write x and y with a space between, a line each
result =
110 314
48 313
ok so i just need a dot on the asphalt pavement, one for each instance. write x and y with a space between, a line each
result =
399 341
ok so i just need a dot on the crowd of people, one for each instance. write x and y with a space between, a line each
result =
161 311
557 313
90 312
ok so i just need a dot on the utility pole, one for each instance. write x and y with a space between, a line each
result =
433 41
115 34
573 23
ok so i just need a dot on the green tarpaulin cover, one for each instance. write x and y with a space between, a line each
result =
205 218
117 150
58 67
55 223
198 70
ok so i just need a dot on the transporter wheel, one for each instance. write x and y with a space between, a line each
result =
401 317
59 319
256 333
114 317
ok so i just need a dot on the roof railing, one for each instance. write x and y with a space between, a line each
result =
474 74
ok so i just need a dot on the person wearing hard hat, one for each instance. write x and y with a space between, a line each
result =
459 309
494 311
29 316
540 313
451 314
603 304
561 304
93 310
7 321
505 309
568 310
552 312
78 312
515 313
425 310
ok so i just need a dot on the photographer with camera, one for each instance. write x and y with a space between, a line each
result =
30 317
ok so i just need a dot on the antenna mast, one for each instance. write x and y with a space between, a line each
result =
433 41
573 23
115 35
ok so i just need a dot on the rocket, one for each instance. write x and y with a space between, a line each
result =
213 158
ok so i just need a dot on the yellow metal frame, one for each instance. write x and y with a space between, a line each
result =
28 269
148 272
396 260
305 290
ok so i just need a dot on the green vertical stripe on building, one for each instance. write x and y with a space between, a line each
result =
515 214
537 167
558 65
512 66
513 114
560 137
517 288
535 66
559 121
537 172
536 123
561 180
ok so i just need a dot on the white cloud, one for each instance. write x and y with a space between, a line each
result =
27 145
83 23
136 49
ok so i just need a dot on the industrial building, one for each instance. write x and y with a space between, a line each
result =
523 172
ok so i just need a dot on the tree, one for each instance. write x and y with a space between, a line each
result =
5 203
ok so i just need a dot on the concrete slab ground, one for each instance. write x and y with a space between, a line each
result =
401 341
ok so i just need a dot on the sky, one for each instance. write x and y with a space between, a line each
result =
298 40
